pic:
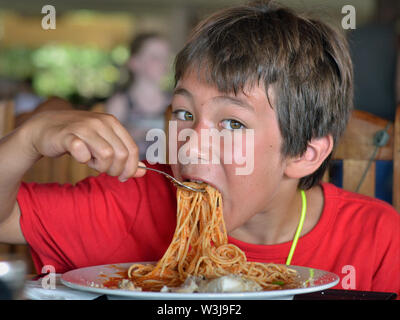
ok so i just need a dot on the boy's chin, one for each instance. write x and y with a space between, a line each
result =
230 222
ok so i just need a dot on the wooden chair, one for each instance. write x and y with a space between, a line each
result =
356 149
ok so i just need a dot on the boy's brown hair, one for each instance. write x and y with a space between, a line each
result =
306 63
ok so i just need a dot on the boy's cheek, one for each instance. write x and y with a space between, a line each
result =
243 152
176 171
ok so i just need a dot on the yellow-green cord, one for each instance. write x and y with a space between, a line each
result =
299 227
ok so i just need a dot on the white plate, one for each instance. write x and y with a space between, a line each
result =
91 279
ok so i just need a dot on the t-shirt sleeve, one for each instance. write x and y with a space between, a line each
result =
69 226
387 276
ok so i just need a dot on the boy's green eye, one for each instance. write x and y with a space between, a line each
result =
183 115
232 124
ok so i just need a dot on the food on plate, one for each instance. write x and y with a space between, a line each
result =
199 257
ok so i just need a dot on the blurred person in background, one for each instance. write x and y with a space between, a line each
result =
142 105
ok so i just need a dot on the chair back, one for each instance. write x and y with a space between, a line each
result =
368 139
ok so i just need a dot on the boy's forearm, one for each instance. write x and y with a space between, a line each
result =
17 156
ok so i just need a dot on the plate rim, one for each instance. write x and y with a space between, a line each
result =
198 295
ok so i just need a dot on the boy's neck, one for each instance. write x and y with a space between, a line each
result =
279 224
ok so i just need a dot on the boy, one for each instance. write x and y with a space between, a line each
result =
258 67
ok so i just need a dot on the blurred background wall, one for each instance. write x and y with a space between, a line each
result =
83 58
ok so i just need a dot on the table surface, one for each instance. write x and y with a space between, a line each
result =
336 294
63 292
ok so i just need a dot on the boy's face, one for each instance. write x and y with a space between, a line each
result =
197 105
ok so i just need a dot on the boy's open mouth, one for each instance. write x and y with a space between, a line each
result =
194 180
199 180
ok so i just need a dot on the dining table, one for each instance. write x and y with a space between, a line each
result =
35 290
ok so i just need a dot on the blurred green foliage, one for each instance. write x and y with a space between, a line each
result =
15 63
65 70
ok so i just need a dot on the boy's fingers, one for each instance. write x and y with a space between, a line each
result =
102 152
92 149
140 172
108 148
121 151
131 166
77 148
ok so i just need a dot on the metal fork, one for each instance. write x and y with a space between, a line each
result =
177 182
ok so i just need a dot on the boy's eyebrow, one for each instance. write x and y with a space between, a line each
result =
236 101
183 92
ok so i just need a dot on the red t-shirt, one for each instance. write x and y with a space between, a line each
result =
102 221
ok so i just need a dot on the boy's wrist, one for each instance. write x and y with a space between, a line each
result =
24 135
19 157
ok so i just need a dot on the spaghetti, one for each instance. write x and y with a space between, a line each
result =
200 247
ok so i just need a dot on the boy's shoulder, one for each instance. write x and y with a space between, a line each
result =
351 203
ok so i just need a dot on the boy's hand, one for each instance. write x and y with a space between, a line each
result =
97 139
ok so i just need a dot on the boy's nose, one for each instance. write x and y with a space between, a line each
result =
199 145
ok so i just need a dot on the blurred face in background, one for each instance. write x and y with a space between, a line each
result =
152 60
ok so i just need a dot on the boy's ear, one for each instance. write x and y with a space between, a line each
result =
318 150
